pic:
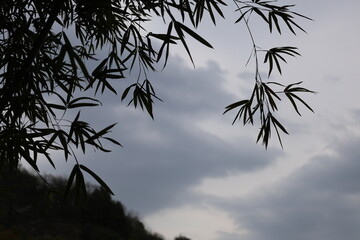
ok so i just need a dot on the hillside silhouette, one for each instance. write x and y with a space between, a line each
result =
31 208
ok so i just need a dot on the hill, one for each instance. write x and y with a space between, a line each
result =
36 210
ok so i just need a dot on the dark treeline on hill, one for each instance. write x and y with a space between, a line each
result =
30 209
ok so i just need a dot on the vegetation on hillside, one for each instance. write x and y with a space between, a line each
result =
31 209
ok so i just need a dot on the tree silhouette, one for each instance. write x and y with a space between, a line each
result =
52 66
181 237
30 210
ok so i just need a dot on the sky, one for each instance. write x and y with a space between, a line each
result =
191 172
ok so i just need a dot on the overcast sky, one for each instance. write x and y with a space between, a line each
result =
191 172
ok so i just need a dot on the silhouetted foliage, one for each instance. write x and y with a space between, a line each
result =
30 209
51 67
181 237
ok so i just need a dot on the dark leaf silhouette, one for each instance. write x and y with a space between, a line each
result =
47 50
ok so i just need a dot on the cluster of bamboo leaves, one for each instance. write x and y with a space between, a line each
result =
263 100
45 78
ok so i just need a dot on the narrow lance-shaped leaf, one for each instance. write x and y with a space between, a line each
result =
194 35
97 178
100 133
80 188
290 94
261 14
70 181
76 103
277 124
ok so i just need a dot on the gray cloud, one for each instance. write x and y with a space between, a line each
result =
319 201
163 158
228 236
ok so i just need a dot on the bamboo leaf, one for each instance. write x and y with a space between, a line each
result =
260 14
193 34
70 181
235 105
97 178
